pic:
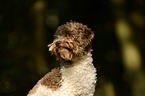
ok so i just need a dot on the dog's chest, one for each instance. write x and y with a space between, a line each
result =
79 80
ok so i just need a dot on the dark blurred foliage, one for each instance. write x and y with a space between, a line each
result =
27 27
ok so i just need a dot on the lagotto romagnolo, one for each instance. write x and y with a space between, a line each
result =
76 75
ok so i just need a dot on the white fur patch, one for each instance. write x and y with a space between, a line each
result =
79 79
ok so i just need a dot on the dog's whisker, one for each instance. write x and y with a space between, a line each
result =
50 45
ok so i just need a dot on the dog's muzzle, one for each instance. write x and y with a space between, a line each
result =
62 50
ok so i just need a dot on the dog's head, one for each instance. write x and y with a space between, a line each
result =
72 40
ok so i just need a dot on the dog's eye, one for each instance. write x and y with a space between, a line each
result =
58 43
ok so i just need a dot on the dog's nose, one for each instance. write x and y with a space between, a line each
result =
58 43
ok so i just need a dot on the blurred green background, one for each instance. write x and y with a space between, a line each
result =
27 27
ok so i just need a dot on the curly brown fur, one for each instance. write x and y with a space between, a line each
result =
72 40
52 79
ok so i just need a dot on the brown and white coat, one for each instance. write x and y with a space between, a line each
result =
76 75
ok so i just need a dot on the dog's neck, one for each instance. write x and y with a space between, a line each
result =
79 61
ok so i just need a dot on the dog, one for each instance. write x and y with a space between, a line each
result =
76 75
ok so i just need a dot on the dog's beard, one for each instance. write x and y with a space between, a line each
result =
64 54
64 51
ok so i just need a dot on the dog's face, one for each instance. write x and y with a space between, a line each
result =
63 49
71 41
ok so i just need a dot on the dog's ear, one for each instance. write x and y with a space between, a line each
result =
86 36
89 34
